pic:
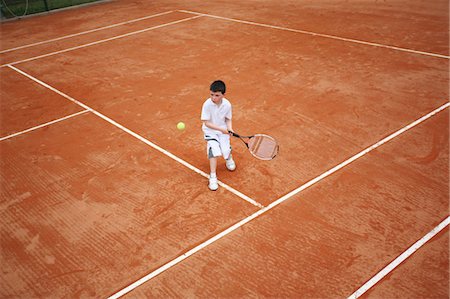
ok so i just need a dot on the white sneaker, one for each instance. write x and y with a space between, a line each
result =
213 186
231 166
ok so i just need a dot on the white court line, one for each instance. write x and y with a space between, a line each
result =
320 34
199 247
84 32
99 41
401 258
139 137
43 125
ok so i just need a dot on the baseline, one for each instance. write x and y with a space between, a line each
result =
139 137
43 125
85 32
282 199
319 34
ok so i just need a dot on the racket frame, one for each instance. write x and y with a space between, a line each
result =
241 137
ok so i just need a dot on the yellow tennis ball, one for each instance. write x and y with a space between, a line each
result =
181 126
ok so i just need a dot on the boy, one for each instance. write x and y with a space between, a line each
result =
216 118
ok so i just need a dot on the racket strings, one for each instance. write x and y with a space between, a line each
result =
263 146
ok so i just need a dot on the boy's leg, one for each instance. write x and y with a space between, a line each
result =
225 147
213 186
213 148
213 165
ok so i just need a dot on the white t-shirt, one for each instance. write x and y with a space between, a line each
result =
215 114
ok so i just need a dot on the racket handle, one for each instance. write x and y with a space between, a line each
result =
234 134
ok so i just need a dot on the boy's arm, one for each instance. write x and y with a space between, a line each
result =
215 127
229 125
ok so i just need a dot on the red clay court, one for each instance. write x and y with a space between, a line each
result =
101 195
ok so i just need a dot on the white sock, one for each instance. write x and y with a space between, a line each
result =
213 174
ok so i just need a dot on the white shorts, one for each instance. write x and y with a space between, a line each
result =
218 145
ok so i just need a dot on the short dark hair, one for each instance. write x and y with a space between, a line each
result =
218 85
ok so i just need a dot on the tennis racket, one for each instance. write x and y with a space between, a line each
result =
261 146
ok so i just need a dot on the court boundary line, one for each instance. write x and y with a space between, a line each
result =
267 208
43 125
139 137
400 259
319 35
99 41
85 32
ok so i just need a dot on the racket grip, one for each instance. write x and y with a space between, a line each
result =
234 134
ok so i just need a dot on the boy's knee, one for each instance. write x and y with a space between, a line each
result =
213 149
226 153
210 154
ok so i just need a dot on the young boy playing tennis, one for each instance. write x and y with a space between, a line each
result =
216 118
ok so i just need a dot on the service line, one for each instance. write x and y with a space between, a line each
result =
400 259
100 41
282 199
85 32
43 125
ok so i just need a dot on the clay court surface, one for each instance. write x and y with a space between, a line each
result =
102 196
